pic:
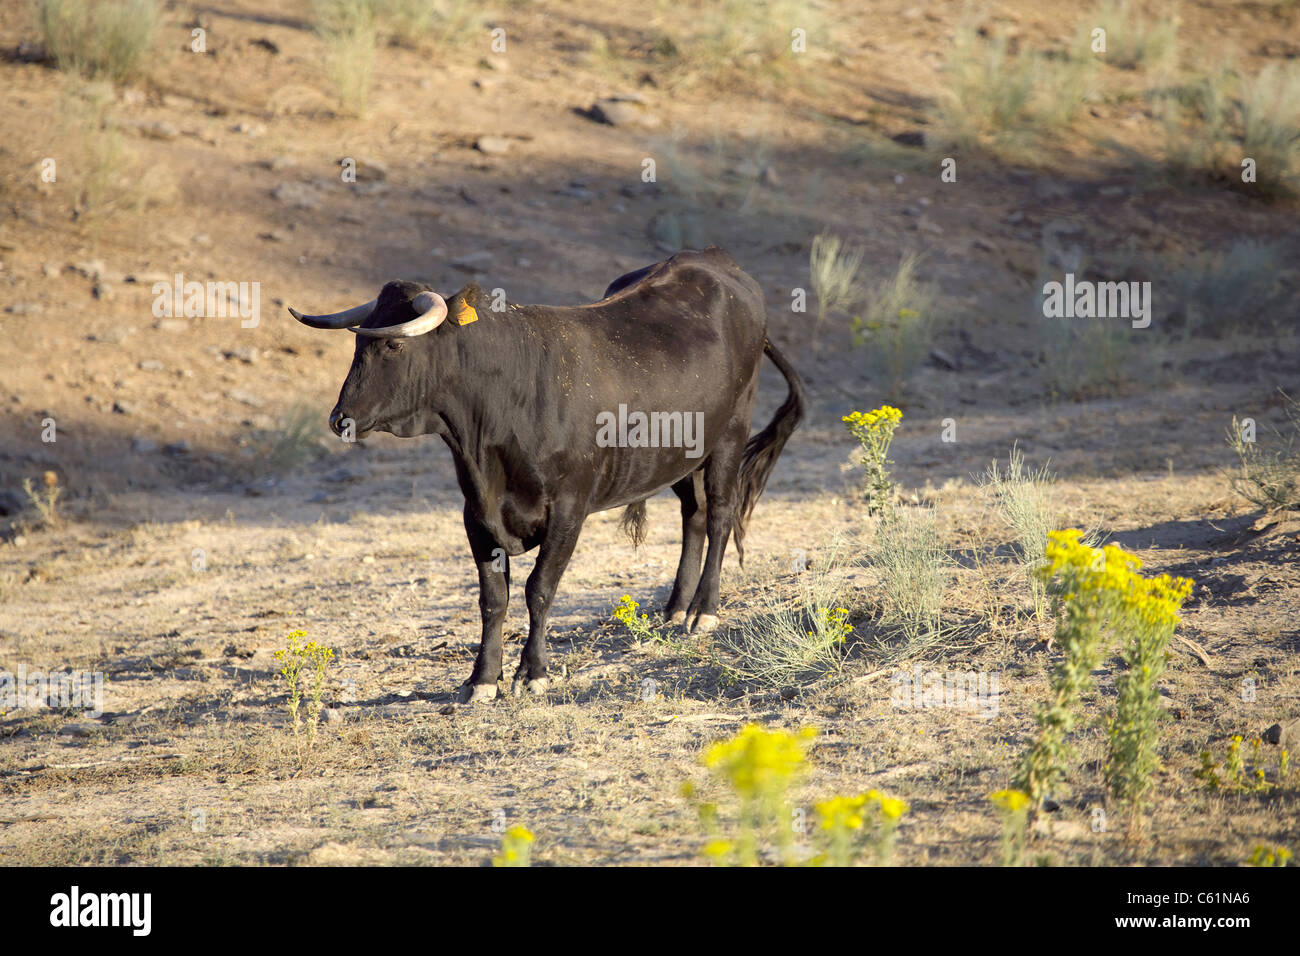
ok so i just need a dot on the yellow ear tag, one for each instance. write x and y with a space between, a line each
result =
465 313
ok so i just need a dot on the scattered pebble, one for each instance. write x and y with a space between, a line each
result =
298 195
492 145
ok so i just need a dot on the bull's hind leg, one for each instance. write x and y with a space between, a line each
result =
721 477
691 492
552 558
493 597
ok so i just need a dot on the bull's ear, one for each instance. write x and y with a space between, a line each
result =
463 307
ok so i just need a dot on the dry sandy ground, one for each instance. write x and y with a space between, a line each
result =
179 573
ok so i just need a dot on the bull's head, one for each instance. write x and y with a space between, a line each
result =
394 348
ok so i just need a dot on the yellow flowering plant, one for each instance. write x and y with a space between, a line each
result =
293 658
831 625
1234 778
1099 595
516 847
759 766
1013 805
870 818
1270 856
626 613
874 431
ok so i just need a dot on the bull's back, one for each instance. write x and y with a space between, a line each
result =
682 347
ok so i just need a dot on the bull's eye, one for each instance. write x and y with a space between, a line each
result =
395 345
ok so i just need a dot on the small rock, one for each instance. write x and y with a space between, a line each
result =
486 83
103 291
622 111
244 398
143 446
944 360
50 270
299 195
246 354
249 129
151 365
333 715
473 261
158 129
1287 735
29 52
492 145
90 268
181 447
275 235
912 137
123 408
926 224
172 325
24 308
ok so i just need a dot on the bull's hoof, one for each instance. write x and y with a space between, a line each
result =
677 619
477 693
536 687
704 624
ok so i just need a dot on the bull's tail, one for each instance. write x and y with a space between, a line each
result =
762 449
633 523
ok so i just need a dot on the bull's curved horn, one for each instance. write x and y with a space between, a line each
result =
432 308
339 320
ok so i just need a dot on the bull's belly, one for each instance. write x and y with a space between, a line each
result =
632 476
630 497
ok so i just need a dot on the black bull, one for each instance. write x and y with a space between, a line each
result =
525 397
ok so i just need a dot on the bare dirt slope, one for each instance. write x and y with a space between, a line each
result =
185 555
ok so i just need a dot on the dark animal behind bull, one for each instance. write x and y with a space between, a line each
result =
517 396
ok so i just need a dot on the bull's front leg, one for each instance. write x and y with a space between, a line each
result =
552 558
493 599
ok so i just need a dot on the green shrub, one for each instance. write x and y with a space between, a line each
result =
915 570
897 325
350 31
110 39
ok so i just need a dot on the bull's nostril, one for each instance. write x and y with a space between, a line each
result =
336 419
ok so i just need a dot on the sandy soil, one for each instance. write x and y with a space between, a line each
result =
178 569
